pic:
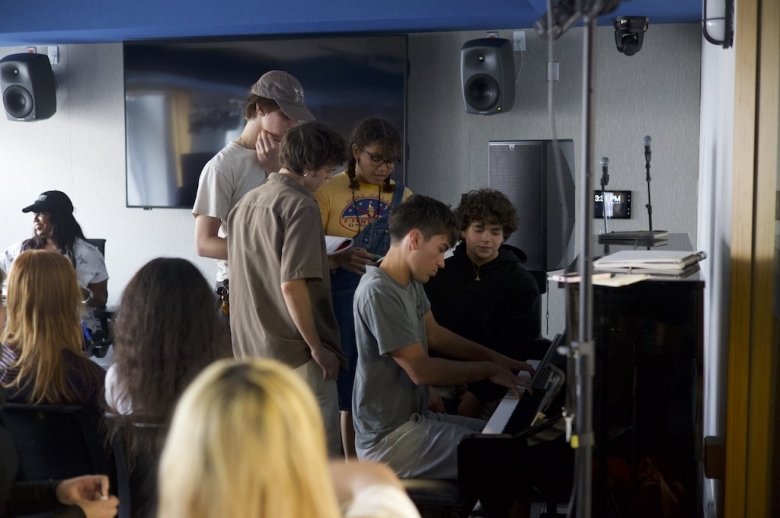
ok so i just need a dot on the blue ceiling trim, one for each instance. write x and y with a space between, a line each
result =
96 21
540 6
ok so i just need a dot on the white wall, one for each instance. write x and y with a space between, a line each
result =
81 151
715 170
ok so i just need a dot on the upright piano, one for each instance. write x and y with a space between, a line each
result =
647 408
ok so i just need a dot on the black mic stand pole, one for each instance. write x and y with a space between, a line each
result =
604 199
583 349
649 205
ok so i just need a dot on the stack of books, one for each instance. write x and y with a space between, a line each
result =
656 263
634 236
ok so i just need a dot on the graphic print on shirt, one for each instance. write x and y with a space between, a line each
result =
364 211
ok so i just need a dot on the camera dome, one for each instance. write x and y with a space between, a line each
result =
629 33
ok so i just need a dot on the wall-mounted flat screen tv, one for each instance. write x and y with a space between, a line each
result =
184 99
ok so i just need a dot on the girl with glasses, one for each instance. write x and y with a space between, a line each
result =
355 204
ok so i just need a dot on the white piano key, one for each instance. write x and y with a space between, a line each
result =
503 412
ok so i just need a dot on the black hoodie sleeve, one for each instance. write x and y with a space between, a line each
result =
519 325
521 320
36 497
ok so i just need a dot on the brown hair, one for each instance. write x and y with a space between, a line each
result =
44 320
253 102
374 131
431 217
311 145
168 330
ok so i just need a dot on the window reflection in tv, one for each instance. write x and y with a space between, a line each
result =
184 100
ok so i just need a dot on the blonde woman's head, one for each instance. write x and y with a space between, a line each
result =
247 439
43 289
43 318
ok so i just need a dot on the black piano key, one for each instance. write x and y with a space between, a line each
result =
524 412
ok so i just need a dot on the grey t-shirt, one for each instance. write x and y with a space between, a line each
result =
225 179
388 317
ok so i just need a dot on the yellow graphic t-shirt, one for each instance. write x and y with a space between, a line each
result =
344 216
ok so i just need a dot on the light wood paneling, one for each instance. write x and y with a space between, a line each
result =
745 46
752 347
763 343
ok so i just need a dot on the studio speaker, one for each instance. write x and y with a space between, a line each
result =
27 85
487 74
525 171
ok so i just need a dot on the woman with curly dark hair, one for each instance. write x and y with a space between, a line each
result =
167 331
483 293
56 230
355 204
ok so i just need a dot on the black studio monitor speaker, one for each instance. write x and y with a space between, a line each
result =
487 74
27 85
525 171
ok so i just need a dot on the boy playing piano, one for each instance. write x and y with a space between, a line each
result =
395 328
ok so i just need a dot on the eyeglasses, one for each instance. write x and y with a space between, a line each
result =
377 160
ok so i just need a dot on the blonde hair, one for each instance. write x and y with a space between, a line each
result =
247 439
43 320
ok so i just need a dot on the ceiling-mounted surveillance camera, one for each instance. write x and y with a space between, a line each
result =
629 33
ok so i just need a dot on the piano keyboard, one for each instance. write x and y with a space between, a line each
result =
504 419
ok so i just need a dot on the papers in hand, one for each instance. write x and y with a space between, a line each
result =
651 262
335 244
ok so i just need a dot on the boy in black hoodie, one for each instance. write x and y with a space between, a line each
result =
484 293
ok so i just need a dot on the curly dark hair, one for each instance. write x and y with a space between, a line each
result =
488 206
374 131
429 216
65 230
167 331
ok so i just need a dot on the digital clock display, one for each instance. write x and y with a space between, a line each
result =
618 205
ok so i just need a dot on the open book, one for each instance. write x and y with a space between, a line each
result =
651 262
335 244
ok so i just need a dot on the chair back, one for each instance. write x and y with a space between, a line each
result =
102 339
56 442
137 477
99 243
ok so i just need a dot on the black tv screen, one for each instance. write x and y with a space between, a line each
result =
184 99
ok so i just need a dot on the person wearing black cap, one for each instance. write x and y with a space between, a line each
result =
274 105
55 229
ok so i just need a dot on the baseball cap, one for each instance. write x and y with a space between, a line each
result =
286 91
50 200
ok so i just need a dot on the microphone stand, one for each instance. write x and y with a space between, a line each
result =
583 350
604 198
649 204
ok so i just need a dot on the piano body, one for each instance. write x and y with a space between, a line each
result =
647 408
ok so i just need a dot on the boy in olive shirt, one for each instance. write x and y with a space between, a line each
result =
281 306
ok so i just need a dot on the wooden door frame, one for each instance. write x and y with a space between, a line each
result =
750 434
